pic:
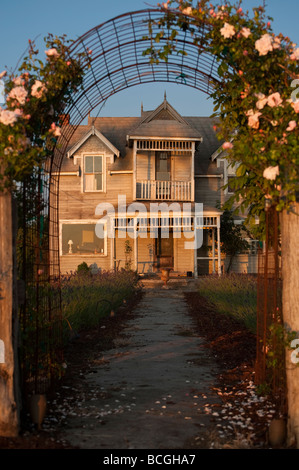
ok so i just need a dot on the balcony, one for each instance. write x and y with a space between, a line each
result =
164 190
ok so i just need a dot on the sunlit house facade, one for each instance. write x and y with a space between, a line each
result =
143 192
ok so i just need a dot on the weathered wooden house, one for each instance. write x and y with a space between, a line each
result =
134 191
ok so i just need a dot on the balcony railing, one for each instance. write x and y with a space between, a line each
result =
164 190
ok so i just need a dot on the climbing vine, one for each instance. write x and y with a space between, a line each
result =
256 101
35 97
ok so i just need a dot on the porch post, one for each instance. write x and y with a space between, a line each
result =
135 245
192 174
213 248
134 169
218 246
112 245
195 250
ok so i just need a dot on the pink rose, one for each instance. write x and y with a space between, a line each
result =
264 44
38 89
262 101
19 94
295 105
52 53
245 32
274 100
295 54
55 130
8 118
228 31
292 125
253 118
271 172
227 145
187 11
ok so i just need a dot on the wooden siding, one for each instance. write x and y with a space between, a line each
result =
183 258
208 191
181 167
70 263
145 166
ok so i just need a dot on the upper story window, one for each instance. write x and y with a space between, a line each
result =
93 173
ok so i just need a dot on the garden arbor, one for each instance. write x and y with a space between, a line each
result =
117 61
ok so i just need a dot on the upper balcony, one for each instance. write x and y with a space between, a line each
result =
164 190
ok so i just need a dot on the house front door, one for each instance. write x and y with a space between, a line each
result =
164 251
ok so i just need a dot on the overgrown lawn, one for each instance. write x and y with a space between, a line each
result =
234 295
87 298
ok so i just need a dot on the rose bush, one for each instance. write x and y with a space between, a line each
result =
255 97
35 98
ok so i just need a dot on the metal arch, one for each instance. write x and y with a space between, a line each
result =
117 62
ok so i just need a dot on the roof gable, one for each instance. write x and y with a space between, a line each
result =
166 123
163 112
93 131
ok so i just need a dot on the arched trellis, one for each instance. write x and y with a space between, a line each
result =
116 63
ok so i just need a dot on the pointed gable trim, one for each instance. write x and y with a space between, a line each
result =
164 106
100 136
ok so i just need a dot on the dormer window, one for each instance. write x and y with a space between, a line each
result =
93 173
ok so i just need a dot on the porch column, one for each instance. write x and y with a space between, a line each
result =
218 246
213 248
135 246
195 252
192 173
134 169
112 244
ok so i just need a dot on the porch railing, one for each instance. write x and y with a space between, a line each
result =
164 190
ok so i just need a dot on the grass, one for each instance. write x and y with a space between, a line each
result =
87 298
234 295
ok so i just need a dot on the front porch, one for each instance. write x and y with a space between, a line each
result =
176 242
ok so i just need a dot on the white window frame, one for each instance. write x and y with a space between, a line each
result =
84 221
94 154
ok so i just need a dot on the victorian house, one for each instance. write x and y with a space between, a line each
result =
143 192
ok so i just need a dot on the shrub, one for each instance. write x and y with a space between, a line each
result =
234 295
87 299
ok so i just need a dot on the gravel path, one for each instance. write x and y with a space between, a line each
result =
149 392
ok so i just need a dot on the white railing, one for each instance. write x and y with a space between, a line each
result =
164 190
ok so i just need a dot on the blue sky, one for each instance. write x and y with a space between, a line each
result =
30 19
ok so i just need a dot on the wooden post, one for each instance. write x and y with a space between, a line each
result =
9 409
195 249
213 249
134 169
192 173
290 311
135 245
218 246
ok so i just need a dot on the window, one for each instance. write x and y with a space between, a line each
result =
253 247
93 173
81 239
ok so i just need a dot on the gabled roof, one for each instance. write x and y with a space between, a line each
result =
164 111
99 135
220 152
164 122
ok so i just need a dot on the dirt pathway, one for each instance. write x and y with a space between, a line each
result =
150 391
